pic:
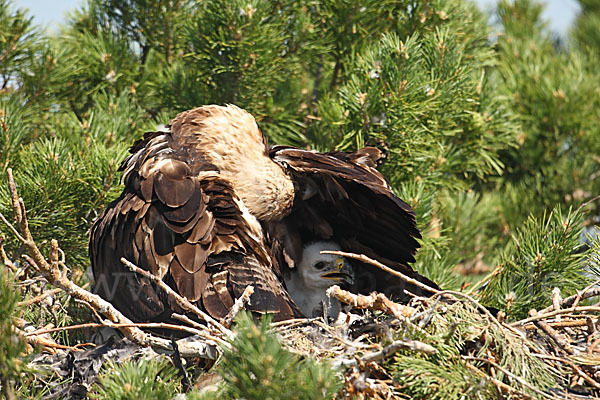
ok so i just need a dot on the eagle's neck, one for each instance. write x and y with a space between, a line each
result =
229 138
264 188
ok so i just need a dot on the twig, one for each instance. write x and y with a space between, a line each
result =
574 366
290 323
573 323
579 294
202 330
155 325
472 300
390 349
499 384
375 301
560 340
556 300
38 298
5 260
485 280
585 294
239 304
591 328
427 315
365 259
181 301
12 228
334 335
396 345
582 374
541 315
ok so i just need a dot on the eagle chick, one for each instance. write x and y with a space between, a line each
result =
315 274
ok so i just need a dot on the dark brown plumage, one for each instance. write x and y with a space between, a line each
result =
344 199
209 209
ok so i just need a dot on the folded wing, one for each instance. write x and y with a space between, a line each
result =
342 198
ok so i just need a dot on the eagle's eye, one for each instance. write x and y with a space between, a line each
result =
320 265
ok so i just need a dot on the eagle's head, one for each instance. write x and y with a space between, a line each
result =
314 274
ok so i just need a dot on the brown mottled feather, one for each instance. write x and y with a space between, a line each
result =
198 196
180 218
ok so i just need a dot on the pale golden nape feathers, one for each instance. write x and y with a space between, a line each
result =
229 138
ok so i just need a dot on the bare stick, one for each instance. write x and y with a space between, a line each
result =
202 330
12 228
579 294
375 301
486 279
7 263
569 301
541 315
363 258
556 300
187 349
37 299
390 349
181 301
396 345
239 304
572 323
560 340
156 325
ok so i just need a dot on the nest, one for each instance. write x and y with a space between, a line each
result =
551 354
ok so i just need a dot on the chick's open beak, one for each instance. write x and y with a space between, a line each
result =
341 273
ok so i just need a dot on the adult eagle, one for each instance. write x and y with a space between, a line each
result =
210 209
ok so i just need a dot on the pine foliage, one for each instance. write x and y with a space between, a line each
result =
258 367
546 253
142 379
11 345
445 375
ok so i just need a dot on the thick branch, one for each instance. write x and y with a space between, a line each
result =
375 301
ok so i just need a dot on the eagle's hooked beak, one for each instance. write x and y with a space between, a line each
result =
341 274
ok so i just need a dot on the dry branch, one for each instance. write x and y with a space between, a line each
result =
560 339
389 350
375 301
569 301
39 298
239 304
181 301
365 259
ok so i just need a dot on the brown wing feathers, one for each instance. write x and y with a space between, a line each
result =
350 202
171 219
